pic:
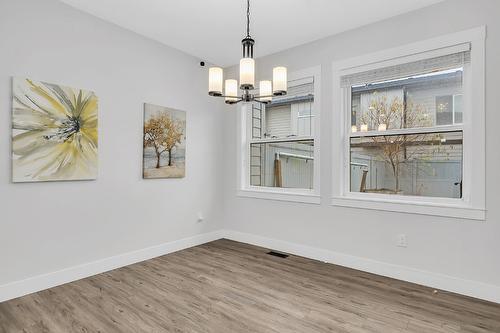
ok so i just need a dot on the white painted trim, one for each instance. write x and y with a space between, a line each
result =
410 206
53 279
470 288
434 280
473 203
417 130
286 195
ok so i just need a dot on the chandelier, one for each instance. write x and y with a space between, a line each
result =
267 89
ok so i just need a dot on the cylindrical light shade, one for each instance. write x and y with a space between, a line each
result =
266 89
364 128
247 73
279 81
231 91
354 129
215 81
382 127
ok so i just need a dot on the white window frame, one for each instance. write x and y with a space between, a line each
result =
311 196
472 203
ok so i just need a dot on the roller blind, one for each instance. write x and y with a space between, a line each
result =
298 91
449 61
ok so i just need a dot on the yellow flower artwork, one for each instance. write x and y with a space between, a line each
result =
54 132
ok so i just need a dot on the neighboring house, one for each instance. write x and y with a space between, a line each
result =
439 95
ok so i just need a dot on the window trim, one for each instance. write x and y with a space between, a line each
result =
472 203
243 138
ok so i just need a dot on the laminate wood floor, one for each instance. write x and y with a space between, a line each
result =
225 286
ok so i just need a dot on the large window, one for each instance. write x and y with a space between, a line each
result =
413 128
280 152
422 156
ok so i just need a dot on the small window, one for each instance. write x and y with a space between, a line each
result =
282 140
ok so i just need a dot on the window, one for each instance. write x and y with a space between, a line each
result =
282 144
420 157
281 140
414 128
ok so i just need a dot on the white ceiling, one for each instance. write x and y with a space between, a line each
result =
212 29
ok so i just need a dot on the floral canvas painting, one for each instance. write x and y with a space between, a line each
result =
54 132
164 142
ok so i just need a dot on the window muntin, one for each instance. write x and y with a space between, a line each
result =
282 141
406 131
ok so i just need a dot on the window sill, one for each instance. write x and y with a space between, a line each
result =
303 196
458 210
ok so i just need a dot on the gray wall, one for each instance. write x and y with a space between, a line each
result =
45 227
459 248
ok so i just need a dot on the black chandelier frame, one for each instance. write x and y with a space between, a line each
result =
247 96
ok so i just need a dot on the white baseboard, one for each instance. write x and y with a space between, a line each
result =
439 281
471 288
49 280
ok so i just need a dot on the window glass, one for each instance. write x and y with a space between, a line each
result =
282 145
426 164
282 164
457 109
444 110
423 100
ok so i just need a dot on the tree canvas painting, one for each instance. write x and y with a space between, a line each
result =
54 132
164 142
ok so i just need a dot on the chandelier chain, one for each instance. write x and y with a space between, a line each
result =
248 18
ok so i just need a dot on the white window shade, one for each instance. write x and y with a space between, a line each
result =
298 90
459 57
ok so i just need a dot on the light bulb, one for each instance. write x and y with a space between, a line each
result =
231 91
247 73
215 75
279 81
266 89
382 127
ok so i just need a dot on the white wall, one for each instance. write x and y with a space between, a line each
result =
45 227
462 249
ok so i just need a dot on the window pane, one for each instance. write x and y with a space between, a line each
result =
278 121
427 164
424 100
444 110
457 109
289 119
282 164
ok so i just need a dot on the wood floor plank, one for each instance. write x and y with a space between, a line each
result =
226 286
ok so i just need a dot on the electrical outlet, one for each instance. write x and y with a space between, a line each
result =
200 218
402 241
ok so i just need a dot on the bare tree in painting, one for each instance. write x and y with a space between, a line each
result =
397 150
163 133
